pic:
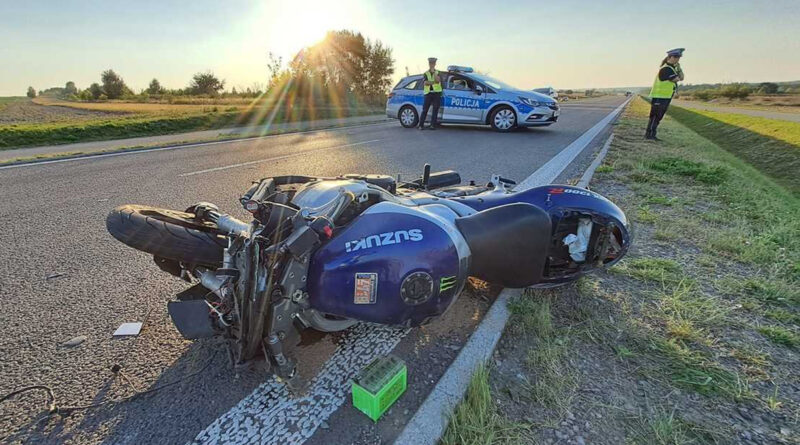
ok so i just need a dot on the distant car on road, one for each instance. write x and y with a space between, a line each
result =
470 98
550 91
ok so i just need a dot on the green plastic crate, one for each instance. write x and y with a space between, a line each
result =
379 385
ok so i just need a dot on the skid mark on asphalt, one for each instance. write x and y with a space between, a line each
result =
269 415
276 158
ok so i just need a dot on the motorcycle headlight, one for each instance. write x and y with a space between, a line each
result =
531 102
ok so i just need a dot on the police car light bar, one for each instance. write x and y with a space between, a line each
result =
461 69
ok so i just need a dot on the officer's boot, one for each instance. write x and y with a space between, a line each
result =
648 134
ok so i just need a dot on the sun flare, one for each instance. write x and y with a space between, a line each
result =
293 26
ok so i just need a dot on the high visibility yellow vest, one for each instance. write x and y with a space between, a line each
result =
663 89
437 86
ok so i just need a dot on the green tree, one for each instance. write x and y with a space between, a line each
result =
113 85
70 88
31 92
154 87
346 62
768 87
96 90
206 83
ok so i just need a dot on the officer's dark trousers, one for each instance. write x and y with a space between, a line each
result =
434 99
658 108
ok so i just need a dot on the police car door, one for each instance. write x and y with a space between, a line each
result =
461 102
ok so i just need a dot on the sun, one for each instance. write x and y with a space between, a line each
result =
294 25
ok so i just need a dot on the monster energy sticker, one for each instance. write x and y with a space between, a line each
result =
366 290
446 283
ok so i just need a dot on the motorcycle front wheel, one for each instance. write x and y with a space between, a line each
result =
167 234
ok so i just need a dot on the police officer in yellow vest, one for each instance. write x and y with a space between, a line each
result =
664 88
432 88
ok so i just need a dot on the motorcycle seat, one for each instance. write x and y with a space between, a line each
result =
508 243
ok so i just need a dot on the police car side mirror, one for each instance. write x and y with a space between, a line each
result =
478 90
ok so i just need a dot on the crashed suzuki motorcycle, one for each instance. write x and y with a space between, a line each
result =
325 253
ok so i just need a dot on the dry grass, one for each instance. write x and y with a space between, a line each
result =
143 107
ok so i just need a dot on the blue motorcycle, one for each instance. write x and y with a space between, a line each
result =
326 253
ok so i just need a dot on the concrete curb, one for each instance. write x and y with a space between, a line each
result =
589 173
430 421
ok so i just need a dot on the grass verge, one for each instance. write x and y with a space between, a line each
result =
222 137
27 135
770 145
691 339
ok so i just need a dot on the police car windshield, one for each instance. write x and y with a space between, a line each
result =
494 83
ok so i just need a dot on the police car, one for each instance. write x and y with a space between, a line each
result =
471 98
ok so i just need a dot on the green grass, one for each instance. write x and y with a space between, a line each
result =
772 146
22 135
605 168
553 383
667 428
780 335
698 171
476 419
661 270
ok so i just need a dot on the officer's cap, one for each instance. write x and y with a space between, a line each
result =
432 59
677 52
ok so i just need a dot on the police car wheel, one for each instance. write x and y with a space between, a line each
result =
503 119
408 117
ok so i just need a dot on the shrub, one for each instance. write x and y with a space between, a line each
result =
206 83
31 92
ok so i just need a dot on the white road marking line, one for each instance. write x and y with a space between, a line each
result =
276 158
178 147
270 415
548 173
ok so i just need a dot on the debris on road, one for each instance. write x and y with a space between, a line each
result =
128 329
55 275
75 341
379 385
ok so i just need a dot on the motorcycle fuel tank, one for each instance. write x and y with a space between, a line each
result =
393 264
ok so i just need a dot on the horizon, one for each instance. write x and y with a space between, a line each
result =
172 41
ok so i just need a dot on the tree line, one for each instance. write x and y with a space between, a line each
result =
345 67
113 86
739 90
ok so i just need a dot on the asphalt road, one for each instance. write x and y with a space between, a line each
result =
64 276
784 116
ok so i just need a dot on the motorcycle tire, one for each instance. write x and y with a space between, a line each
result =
167 234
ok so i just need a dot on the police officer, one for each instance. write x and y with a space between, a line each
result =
664 88
432 88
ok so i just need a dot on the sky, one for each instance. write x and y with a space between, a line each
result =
564 44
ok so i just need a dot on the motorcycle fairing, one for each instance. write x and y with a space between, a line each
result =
566 206
408 249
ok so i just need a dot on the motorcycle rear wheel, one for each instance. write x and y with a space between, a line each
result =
167 234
